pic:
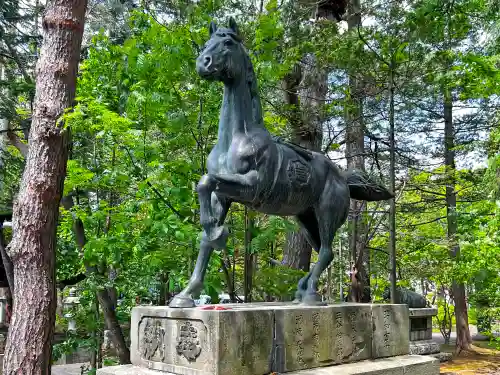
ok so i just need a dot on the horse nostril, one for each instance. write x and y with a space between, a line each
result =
207 61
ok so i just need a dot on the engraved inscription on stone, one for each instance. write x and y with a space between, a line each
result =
299 338
387 328
315 336
249 353
357 344
391 330
153 340
339 338
188 343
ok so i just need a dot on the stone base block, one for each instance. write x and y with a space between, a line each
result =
401 365
260 338
424 347
203 341
315 336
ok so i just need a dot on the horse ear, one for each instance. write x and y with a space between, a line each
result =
212 28
232 25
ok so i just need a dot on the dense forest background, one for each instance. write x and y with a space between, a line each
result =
405 90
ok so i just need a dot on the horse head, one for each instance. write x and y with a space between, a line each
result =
223 58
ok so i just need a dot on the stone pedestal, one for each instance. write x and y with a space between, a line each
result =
402 365
264 338
260 338
421 331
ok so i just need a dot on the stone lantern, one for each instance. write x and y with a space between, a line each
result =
69 303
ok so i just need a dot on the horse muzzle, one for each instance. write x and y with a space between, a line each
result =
205 67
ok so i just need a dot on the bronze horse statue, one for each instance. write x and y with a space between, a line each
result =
249 166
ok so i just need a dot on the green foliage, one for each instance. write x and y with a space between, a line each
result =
70 345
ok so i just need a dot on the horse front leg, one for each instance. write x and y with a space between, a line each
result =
237 187
208 216
219 207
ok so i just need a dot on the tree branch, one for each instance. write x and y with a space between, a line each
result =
18 61
369 46
102 293
430 221
17 143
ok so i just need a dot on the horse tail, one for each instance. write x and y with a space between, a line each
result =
364 188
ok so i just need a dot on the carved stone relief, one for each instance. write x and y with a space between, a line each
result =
188 343
153 340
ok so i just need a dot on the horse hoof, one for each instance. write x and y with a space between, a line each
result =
298 297
181 301
313 300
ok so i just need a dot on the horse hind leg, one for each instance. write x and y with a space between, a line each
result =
309 228
331 213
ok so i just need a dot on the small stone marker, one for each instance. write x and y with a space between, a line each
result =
390 330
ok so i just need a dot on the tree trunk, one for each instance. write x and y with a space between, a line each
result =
4 126
112 291
355 147
306 89
226 266
105 301
458 289
94 353
36 211
249 262
392 173
113 325
164 282
297 251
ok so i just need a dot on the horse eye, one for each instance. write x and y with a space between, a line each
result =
228 42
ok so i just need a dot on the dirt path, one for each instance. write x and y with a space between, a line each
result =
481 361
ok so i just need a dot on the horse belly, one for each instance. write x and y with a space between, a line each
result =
297 187
279 204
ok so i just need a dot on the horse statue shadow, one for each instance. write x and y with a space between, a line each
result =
249 166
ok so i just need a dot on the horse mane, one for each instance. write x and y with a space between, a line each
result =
250 76
251 80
